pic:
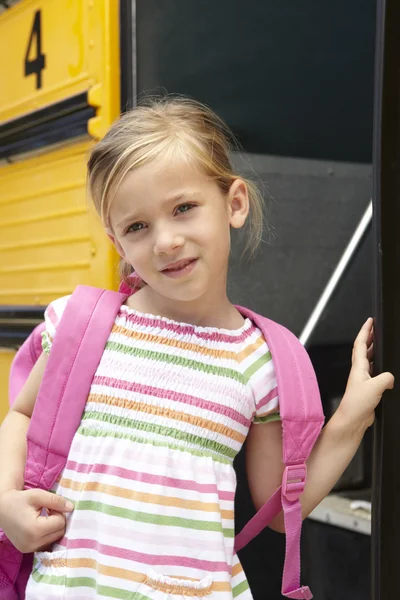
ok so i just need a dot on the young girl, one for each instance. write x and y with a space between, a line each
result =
183 380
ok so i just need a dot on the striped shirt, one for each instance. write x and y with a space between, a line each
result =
150 469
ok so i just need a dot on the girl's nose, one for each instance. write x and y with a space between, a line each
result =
167 242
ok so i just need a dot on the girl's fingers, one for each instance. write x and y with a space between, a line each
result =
360 348
48 525
382 382
366 331
362 359
48 540
371 369
370 352
370 338
41 499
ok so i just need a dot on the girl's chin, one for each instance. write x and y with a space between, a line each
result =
181 293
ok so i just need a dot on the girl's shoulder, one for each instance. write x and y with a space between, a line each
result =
52 317
55 311
258 369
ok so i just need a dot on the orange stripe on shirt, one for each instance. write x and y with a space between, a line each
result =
236 569
169 414
157 339
117 572
120 492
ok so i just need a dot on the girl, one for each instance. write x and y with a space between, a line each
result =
183 380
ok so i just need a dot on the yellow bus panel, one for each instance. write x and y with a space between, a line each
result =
53 50
49 242
6 357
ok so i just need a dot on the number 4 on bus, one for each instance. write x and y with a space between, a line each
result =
35 65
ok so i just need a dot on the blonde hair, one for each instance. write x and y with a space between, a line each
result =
158 128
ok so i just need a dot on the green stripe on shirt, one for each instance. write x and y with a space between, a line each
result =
90 432
241 587
88 582
258 364
168 432
267 418
178 360
141 517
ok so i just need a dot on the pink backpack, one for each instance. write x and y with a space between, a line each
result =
76 352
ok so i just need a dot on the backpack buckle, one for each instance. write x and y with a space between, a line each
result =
294 481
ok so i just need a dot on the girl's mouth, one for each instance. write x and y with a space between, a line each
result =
180 268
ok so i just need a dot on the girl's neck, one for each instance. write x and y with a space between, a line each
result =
203 312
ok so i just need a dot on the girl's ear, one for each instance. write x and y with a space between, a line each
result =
238 203
111 236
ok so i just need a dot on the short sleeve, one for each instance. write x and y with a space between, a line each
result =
52 317
265 389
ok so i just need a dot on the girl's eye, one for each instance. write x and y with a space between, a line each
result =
135 227
184 208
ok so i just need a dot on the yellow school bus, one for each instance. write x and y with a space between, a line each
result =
60 91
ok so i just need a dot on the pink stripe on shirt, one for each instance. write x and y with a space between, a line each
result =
149 559
150 478
176 396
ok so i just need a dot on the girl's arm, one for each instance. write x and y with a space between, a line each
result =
264 465
20 510
13 431
336 445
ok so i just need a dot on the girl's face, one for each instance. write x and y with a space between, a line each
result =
172 224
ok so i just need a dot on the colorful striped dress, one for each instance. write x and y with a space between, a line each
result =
150 470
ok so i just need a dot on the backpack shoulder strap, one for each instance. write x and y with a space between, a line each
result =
76 352
299 398
302 419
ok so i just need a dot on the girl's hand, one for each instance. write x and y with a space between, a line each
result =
363 392
22 520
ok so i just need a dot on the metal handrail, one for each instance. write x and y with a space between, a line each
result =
337 275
